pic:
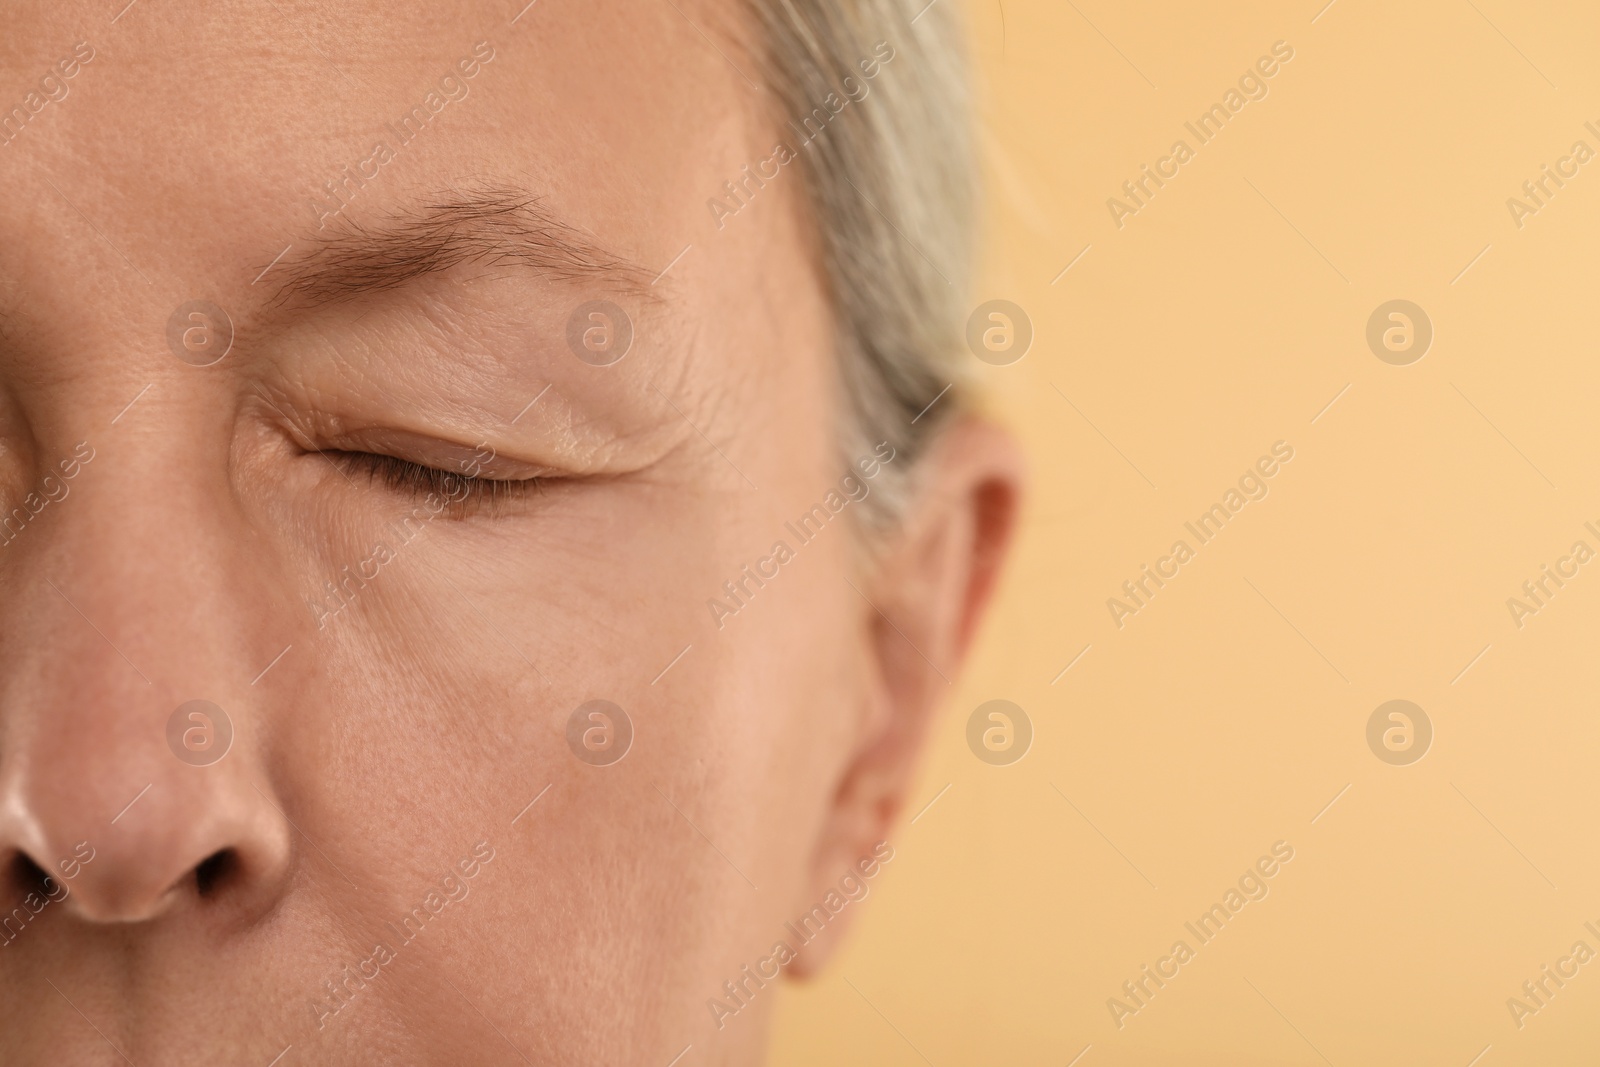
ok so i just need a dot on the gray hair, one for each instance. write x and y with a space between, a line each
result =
891 184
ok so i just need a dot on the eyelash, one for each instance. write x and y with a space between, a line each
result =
419 480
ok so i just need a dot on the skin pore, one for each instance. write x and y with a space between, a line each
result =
390 733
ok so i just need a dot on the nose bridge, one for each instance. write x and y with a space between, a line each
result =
127 718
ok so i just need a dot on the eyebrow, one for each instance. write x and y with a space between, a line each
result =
490 225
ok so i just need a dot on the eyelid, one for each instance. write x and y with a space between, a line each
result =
479 460
461 490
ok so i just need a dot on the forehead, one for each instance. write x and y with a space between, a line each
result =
201 141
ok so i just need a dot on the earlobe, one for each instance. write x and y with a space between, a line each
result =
921 606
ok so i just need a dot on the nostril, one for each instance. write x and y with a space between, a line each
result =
215 871
26 876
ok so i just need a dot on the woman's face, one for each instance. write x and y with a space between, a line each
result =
516 762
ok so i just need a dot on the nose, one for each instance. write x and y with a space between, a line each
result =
132 779
121 830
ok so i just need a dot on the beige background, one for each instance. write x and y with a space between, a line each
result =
1225 716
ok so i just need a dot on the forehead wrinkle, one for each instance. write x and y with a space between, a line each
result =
490 225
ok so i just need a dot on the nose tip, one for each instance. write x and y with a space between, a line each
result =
118 782
201 836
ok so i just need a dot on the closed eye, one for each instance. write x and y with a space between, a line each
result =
461 489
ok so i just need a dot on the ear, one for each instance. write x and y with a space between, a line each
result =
920 606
